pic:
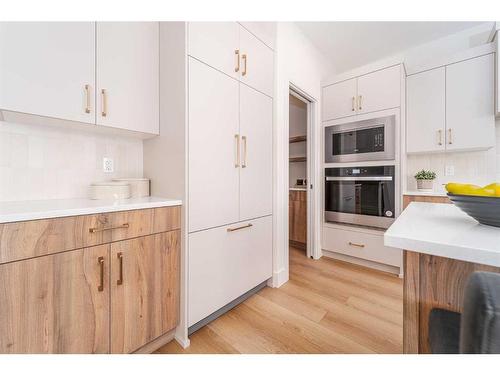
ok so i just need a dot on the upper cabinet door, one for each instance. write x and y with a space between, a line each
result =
256 63
256 174
47 69
213 148
379 90
216 44
426 111
127 75
339 99
470 121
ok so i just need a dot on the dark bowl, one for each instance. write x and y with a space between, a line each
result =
486 210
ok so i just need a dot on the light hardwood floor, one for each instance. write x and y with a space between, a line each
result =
327 306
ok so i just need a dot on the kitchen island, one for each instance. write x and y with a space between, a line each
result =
443 246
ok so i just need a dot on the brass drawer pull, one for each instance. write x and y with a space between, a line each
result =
237 53
353 108
87 95
360 107
244 58
100 260
104 111
239 228
95 230
440 140
356 244
120 259
449 137
244 140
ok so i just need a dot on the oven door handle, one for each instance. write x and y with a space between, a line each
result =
361 178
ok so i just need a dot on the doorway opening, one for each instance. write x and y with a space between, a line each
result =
300 171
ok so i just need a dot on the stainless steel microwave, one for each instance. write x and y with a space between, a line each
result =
364 140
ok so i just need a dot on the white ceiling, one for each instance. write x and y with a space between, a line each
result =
352 44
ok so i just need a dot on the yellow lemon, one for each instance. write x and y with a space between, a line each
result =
495 187
461 189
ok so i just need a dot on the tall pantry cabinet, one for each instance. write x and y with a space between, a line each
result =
215 152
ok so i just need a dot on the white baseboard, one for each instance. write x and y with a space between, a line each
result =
182 340
278 279
363 262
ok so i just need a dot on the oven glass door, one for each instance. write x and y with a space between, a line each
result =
361 196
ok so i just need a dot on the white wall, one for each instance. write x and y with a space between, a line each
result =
45 162
299 63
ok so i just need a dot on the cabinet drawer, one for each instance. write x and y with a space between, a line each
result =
225 263
360 245
34 238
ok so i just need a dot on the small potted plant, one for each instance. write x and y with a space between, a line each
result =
425 179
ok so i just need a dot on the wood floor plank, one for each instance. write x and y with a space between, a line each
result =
327 306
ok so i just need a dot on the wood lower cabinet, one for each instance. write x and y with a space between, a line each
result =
297 218
114 297
144 290
53 304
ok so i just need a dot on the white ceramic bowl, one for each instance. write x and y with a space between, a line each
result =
139 187
109 190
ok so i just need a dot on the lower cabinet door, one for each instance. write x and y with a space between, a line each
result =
144 289
56 303
226 262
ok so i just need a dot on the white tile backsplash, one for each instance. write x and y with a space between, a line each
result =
43 162
478 167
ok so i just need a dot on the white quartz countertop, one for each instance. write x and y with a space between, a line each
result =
444 230
45 209
298 189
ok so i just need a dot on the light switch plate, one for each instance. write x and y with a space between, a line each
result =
449 170
107 165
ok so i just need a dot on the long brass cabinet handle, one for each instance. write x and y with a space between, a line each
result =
239 228
353 107
237 53
237 161
95 230
440 137
356 244
104 111
360 98
100 260
449 137
120 276
244 162
87 96
244 58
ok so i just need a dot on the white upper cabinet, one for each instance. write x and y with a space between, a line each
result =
214 161
451 108
426 111
216 44
230 48
379 90
127 75
256 64
47 69
339 100
470 118
256 173
367 93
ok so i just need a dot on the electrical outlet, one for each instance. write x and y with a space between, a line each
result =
449 170
107 165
